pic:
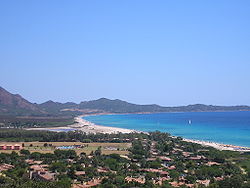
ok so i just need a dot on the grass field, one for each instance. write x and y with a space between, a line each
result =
107 148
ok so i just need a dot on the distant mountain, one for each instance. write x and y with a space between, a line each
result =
14 104
11 104
58 109
119 106
51 106
206 108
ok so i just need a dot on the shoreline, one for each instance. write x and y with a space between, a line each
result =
215 145
86 127
91 128
219 146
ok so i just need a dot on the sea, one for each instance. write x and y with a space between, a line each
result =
221 127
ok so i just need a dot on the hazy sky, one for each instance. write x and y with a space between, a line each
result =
165 52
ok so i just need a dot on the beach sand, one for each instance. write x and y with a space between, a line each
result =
90 127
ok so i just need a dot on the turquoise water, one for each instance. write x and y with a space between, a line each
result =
222 127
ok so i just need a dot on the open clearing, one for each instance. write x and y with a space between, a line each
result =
107 148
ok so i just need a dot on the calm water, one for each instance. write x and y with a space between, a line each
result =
222 127
62 130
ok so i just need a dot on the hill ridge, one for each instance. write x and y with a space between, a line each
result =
15 104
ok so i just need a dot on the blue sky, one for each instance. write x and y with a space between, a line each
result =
165 52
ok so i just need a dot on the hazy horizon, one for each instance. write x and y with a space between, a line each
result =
166 52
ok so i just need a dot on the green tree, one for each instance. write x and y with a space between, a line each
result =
24 152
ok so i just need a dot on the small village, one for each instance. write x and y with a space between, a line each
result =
153 160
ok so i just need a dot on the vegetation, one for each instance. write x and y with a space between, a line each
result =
16 135
154 160
28 122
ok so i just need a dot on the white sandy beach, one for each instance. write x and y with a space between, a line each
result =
90 127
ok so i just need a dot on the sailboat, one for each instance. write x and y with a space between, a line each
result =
189 122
